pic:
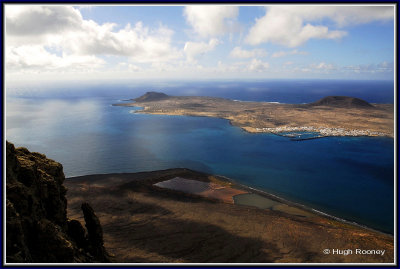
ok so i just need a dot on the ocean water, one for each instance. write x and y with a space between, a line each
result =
348 177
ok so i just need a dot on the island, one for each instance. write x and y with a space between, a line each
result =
329 116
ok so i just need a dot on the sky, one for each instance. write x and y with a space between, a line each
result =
61 42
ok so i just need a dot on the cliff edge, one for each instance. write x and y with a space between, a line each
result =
37 228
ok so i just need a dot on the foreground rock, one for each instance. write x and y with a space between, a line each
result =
95 233
37 228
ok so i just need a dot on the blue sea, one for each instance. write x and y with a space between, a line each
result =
348 177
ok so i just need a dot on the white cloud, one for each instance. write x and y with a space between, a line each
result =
383 67
162 67
341 15
323 66
291 25
253 66
53 40
139 43
318 68
193 49
31 57
237 52
33 33
279 27
227 68
329 68
39 20
133 68
257 66
211 21
129 67
285 53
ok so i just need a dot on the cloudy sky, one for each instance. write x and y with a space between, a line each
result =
199 42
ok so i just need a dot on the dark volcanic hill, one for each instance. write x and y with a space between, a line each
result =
152 96
342 101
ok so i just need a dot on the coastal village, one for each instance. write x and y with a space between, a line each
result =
323 132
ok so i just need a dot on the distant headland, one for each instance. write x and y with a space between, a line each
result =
329 116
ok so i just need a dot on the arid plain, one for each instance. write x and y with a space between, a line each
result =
145 223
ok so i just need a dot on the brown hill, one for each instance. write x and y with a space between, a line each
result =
151 96
342 101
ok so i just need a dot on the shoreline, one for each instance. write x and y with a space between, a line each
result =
300 206
322 131
329 116
251 190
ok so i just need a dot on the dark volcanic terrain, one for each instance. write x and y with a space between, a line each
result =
146 223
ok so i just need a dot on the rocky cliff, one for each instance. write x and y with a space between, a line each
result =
37 228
